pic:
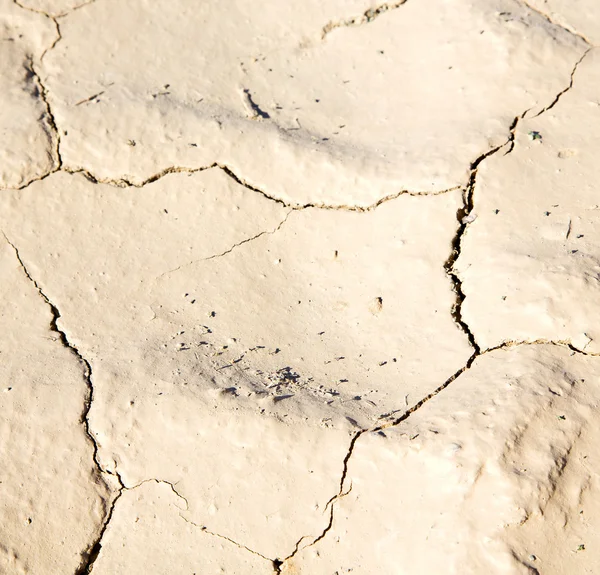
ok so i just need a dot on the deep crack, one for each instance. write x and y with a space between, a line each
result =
90 557
91 553
465 217
62 336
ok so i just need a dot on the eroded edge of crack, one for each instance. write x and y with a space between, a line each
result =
366 17
548 18
91 556
30 66
465 215
126 182
54 132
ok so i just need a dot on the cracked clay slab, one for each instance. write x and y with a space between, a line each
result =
269 273
493 475
530 260
52 499
268 93
257 358
27 141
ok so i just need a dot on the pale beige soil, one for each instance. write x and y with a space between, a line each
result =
303 287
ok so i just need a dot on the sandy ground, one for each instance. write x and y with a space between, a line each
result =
299 286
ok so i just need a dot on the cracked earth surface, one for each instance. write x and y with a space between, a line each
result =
299 287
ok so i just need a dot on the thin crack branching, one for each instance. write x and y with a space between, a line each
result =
228 250
366 17
159 481
54 19
50 17
548 19
241 243
564 343
205 529
330 504
341 493
90 557
250 187
563 92
20 4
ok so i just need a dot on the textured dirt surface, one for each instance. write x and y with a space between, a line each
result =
299 287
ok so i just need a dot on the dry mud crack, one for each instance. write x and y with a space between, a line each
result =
344 323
